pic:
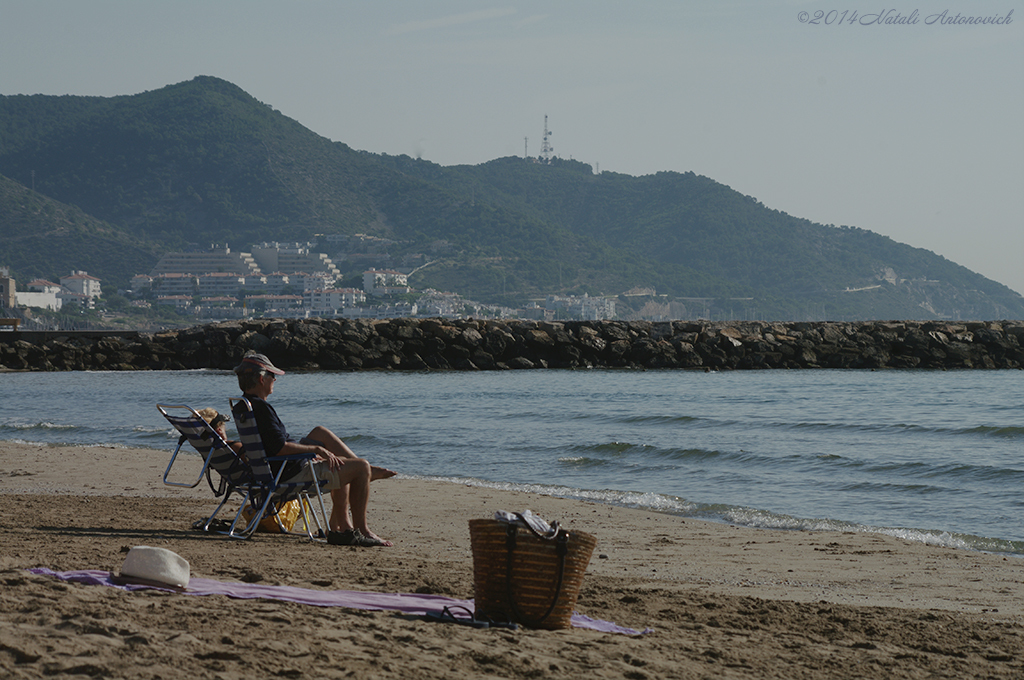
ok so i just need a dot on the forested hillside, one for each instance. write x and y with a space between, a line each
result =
201 162
42 238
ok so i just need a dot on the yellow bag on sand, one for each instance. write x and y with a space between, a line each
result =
290 514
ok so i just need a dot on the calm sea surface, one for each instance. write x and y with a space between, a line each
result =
929 456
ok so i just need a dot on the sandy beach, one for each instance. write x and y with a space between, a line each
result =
722 601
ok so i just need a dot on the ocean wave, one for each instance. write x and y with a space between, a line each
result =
923 470
581 462
639 454
666 420
992 431
630 499
885 488
41 425
748 517
1002 432
76 445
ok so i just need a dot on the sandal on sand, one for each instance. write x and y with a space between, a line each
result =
353 537
446 616
473 619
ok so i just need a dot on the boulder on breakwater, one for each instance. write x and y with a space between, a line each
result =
469 344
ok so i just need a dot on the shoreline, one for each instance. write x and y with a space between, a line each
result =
722 599
933 537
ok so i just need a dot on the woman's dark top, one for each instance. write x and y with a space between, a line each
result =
273 434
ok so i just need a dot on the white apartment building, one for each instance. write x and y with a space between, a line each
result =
176 301
385 282
42 294
331 299
81 283
275 302
219 271
175 284
257 282
399 311
43 297
585 307
66 297
318 280
220 284
43 286
203 262
290 258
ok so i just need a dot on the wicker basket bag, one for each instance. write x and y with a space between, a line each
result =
526 577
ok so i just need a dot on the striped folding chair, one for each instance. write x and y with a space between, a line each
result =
234 473
269 491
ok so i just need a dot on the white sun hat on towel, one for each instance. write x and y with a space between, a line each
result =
157 567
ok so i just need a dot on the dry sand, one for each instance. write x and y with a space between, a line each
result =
724 601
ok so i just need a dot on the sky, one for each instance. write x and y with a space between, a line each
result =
898 118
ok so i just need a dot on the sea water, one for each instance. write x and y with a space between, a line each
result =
934 456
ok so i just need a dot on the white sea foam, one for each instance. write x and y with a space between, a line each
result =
42 425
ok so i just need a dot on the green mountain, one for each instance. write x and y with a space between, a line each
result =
201 162
41 238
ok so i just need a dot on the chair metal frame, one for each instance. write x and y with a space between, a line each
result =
236 476
234 472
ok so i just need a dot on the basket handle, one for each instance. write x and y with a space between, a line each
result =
561 538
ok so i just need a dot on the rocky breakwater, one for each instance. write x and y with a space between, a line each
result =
442 344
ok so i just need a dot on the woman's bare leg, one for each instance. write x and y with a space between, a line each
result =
333 443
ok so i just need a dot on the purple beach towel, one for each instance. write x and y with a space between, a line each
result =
406 603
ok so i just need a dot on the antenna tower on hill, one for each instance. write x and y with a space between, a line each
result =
545 147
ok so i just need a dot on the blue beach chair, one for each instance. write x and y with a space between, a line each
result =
268 491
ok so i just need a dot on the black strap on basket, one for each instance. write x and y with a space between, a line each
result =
561 539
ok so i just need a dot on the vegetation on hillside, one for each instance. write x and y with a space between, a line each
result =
203 162
43 239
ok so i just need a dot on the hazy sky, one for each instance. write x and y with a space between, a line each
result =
912 130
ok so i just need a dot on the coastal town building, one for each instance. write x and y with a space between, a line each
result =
317 281
139 283
8 299
78 287
435 303
273 302
581 307
272 284
293 280
175 283
80 283
333 300
42 294
272 269
205 261
398 311
223 307
176 301
292 258
43 286
220 283
381 282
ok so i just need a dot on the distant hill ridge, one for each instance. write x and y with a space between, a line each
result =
130 177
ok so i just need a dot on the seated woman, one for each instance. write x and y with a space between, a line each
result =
216 421
349 476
